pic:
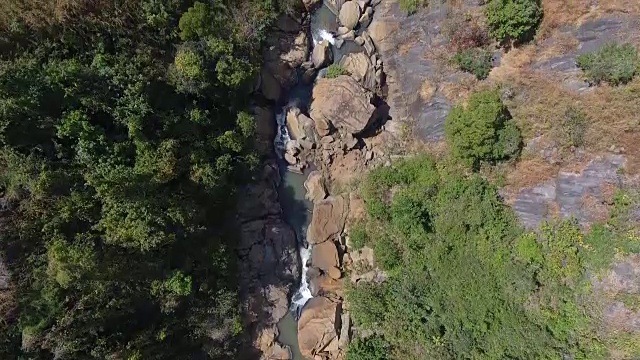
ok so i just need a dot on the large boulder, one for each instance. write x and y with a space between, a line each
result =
314 185
283 53
324 285
360 67
324 256
341 102
321 55
300 126
318 327
328 219
350 14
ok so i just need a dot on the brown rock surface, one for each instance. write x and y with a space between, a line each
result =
324 285
315 187
360 68
321 54
318 326
283 53
350 14
328 219
300 126
325 256
341 102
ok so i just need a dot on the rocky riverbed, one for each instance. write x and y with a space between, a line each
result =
334 124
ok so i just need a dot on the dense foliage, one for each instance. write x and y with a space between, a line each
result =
468 282
476 61
123 139
513 20
613 63
482 130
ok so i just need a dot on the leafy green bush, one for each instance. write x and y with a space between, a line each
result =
476 61
473 285
387 253
367 303
513 20
411 6
335 70
358 236
482 131
371 348
614 63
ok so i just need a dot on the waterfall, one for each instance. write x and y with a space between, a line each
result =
322 34
280 143
304 293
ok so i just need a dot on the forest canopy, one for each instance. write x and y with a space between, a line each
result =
124 134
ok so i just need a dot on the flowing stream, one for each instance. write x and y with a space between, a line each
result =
297 209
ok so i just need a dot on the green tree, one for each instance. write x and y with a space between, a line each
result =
482 130
513 20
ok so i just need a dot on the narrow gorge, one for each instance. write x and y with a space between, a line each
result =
327 130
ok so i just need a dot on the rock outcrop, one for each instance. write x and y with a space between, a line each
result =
318 328
314 185
283 53
300 127
350 14
342 103
321 55
324 256
269 266
328 219
359 66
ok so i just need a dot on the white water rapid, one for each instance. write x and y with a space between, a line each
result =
280 142
322 34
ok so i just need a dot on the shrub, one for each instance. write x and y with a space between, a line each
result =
335 70
513 20
411 6
464 33
475 61
367 303
573 127
358 236
614 63
371 348
482 131
387 254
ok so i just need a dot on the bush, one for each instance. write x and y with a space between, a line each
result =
387 254
615 64
513 20
358 236
482 131
335 70
475 61
573 127
464 33
411 6
371 348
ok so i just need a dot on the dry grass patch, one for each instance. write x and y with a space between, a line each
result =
530 172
